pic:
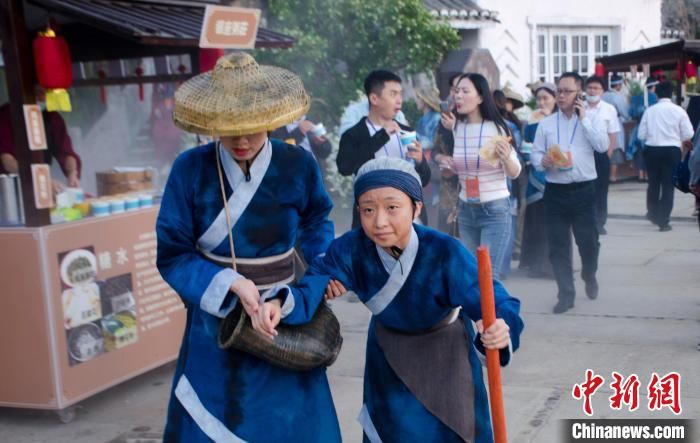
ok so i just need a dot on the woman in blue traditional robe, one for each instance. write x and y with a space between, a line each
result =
423 378
275 199
534 255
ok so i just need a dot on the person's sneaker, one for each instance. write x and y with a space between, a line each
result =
592 289
563 306
664 228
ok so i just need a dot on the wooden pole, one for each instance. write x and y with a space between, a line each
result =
19 68
493 361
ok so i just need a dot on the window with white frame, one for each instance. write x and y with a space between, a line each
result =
602 45
579 54
561 49
559 54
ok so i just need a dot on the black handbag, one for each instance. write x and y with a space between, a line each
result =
681 174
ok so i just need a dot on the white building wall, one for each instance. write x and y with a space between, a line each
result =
630 24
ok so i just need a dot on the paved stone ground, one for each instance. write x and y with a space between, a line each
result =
645 320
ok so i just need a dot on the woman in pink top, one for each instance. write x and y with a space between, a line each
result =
484 206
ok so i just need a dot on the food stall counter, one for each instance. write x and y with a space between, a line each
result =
84 308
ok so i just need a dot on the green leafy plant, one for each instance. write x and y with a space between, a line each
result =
338 42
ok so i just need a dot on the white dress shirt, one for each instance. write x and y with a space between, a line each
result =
580 137
392 148
607 113
665 124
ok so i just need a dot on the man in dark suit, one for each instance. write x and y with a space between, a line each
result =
379 134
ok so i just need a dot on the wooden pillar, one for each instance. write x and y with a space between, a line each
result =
194 60
19 69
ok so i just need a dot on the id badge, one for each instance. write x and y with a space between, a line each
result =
471 184
569 165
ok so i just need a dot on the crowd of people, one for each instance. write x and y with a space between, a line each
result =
242 214
239 215
526 205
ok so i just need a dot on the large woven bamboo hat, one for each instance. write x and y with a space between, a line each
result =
239 97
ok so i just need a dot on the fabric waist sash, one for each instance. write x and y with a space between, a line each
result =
434 365
265 272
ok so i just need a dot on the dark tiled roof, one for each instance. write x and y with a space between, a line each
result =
459 10
168 22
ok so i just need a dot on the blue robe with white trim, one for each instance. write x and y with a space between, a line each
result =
227 395
442 277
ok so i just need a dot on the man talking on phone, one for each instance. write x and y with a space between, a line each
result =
563 148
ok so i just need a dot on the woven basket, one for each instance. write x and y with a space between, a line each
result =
296 347
239 97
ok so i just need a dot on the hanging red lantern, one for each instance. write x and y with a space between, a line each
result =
599 69
103 90
208 58
139 73
53 69
690 69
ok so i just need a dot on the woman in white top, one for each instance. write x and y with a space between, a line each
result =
484 207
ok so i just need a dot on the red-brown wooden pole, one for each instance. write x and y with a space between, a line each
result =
493 361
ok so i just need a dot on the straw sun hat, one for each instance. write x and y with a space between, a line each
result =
239 97
514 97
429 95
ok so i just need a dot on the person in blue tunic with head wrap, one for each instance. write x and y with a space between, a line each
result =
274 200
423 378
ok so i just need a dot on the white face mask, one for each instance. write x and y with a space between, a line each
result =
593 99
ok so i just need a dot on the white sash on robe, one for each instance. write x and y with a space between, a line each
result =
243 192
397 277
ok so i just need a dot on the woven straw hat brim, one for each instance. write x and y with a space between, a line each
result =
517 99
430 99
239 97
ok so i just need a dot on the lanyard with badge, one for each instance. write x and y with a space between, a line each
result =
471 184
569 165
386 151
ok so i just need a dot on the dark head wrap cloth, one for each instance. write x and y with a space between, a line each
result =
389 172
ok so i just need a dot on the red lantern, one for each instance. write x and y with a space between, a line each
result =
599 69
659 75
53 69
139 73
208 58
690 69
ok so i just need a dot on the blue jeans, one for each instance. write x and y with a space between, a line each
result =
487 224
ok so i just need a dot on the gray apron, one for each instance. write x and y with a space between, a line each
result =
434 365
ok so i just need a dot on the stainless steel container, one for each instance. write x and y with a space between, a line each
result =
11 209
